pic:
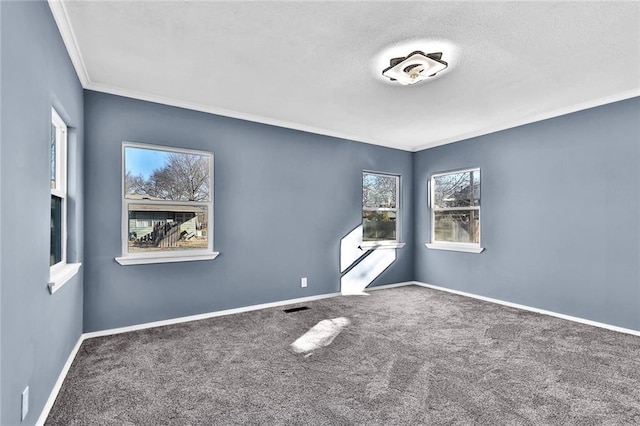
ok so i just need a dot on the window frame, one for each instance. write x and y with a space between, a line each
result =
453 245
60 188
181 255
374 244
61 272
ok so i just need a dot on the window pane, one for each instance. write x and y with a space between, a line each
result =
56 230
460 226
379 191
167 227
457 189
475 184
165 175
378 226
53 159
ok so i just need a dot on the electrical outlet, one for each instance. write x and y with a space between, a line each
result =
303 282
25 402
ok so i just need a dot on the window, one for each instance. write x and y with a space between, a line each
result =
455 210
380 210
167 205
58 185
60 271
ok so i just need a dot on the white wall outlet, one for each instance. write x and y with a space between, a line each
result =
25 402
303 282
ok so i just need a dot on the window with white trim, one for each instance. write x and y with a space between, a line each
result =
58 185
380 207
455 210
167 204
60 271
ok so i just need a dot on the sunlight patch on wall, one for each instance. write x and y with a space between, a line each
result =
350 248
363 274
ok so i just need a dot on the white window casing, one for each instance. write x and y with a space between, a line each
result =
61 271
393 208
149 204
453 243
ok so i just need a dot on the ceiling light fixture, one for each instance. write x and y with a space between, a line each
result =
415 67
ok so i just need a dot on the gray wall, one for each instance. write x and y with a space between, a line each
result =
1 180
283 200
559 215
39 330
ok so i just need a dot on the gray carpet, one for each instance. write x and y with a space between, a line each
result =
410 355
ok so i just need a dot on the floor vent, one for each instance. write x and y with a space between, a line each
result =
290 310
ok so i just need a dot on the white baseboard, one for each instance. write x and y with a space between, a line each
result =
530 309
206 315
365 291
84 336
56 388
382 287
65 369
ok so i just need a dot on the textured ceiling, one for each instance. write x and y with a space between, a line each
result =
316 66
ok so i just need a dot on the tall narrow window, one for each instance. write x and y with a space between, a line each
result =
380 207
167 205
455 210
60 270
58 185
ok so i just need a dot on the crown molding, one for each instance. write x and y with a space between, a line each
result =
533 118
61 17
194 106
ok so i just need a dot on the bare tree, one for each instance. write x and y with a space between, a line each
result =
378 191
459 192
133 184
183 177
456 189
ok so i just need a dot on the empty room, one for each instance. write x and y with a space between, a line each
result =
319 212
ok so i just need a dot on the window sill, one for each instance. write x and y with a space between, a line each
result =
143 260
381 245
455 247
62 275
